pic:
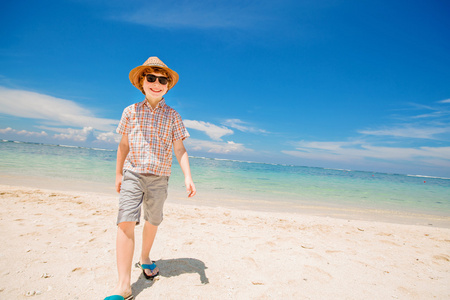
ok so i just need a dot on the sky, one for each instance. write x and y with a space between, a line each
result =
359 85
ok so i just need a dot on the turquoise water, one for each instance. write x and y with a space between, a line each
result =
257 183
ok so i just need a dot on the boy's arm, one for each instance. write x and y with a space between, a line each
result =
122 152
183 160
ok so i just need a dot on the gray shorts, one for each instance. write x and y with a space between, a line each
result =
137 189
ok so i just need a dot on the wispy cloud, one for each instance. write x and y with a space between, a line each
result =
242 126
194 14
213 131
444 101
417 121
389 144
349 152
409 132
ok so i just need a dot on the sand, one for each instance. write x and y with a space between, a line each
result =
61 245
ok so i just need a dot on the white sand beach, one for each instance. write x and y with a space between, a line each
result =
61 245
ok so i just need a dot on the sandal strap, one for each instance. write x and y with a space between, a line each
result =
149 267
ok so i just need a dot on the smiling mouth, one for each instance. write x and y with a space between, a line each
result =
156 91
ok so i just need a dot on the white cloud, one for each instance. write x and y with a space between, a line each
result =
87 134
77 135
213 131
53 111
445 101
9 130
242 126
109 137
58 114
216 147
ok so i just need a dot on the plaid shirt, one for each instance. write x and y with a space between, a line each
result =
151 133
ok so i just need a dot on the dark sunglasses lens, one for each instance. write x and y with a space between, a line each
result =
151 78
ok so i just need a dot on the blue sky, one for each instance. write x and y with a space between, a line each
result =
362 85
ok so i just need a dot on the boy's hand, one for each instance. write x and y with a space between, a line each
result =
118 182
190 187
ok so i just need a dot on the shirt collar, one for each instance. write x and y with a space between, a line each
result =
161 104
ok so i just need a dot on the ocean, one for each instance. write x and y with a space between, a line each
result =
236 183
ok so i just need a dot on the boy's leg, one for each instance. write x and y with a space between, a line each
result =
153 203
124 253
148 236
130 201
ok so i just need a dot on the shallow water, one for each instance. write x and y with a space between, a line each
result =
231 182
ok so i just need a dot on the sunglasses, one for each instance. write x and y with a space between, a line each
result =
152 78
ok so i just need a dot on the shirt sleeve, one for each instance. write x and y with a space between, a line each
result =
179 130
124 124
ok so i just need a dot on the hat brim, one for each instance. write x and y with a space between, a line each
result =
135 76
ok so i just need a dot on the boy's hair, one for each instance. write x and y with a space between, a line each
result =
153 70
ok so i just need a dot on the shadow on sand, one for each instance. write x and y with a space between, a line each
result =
170 268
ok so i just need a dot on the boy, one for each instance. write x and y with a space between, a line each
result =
144 158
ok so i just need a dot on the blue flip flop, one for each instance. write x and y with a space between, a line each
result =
118 297
148 267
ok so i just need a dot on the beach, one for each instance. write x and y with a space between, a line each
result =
253 231
60 244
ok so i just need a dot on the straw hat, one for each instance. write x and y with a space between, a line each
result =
153 61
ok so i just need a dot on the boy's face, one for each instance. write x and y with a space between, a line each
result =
155 90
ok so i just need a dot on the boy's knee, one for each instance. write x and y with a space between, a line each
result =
126 226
